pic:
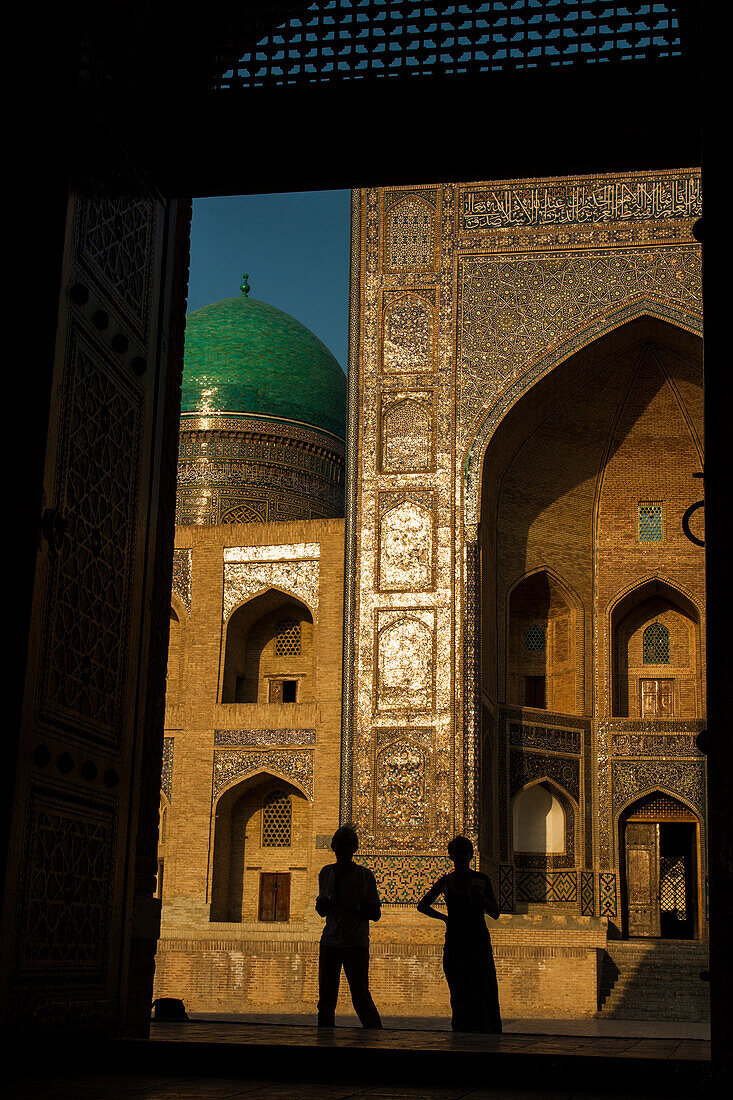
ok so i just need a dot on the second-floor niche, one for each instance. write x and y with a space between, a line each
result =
269 652
541 661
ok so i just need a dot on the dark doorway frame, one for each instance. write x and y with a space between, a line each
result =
160 65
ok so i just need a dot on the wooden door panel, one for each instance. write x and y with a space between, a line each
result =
74 818
642 878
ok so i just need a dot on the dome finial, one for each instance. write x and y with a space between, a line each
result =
245 285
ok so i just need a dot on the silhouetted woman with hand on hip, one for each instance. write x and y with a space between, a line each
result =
468 961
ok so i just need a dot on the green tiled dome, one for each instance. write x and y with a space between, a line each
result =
242 355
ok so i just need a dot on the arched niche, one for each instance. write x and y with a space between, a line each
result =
163 828
538 821
176 651
657 664
260 828
268 651
542 665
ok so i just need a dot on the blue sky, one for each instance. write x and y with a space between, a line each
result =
295 248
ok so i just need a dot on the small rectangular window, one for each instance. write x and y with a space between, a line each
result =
650 522
290 688
274 896
534 692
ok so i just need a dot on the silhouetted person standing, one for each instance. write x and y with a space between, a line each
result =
348 899
468 961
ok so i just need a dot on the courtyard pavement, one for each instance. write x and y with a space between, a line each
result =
256 1058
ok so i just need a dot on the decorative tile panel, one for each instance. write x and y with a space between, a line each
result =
524 767
607 893
182 561
404 879
406 542
685 779
405 659
166 777
546 886
408 331
237 764
406 432
265 738
587 894
402 786
246 578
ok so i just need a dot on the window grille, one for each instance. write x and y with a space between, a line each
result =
661 807
363 39
656 645
277 820
650 523
672 887
534 639
287 639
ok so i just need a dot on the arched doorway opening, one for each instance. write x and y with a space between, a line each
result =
258 869
659 845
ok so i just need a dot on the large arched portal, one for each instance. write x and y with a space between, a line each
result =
590 601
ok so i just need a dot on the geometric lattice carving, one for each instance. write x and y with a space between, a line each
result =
409 236
115 240
656 644
534 639
90 580
406 38
607 893
67 884
277 819
287 639
672 894
661 807
650 523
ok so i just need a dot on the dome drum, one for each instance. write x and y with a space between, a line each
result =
257 470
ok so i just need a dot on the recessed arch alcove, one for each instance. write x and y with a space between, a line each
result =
260 828
268 651
656 650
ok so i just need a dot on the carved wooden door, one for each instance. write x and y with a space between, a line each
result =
77 809
642 878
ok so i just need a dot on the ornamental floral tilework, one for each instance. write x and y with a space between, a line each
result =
235 764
